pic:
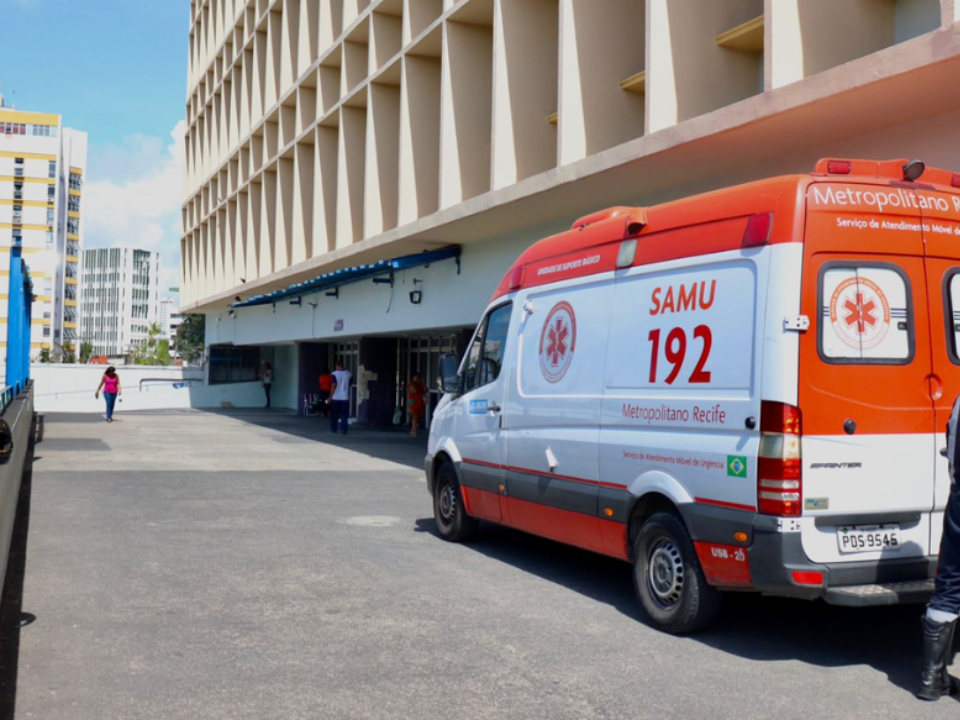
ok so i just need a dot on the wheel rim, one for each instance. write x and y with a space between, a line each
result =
448 503
665 573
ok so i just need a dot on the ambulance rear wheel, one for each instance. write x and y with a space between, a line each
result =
668 579
453 523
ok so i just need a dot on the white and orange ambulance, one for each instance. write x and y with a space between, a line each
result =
744 390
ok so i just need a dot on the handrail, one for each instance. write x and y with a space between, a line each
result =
6 397
169 380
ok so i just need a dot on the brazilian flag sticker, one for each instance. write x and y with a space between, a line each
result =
736 466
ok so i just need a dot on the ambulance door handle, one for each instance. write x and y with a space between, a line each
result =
493 407
849 426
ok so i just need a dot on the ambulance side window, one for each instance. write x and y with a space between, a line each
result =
951 293
866 315
473 358
486 351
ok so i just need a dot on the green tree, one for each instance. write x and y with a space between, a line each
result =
163 352
148 351
69 353
191 337
86 352
45 355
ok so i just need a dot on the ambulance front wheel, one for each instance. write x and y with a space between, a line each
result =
453 523
668 578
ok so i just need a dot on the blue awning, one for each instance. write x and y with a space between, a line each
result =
345 276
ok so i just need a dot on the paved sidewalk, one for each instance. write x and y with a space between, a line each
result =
249 565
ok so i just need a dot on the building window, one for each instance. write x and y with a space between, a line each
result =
52 169
51 192
229 364
75 182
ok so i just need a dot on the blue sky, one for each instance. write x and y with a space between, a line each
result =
117 70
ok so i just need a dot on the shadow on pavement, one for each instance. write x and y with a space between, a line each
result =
749 626
12 617
391 444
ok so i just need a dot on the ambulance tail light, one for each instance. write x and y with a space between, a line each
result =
839 167
779 470
757 231
515 281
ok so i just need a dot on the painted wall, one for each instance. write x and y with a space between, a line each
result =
70 388
449 300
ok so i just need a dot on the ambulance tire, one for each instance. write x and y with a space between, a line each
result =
668 579
450 514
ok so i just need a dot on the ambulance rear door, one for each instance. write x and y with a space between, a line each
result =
941 231
865 365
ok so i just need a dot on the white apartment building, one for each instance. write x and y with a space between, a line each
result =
42 166
332 135
169 319
119 298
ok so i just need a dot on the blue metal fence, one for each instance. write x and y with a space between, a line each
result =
19 305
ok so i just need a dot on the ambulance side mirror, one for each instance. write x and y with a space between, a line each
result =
448 375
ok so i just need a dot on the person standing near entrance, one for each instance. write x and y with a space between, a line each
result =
326 385
416 395
110 384
266 379
340 399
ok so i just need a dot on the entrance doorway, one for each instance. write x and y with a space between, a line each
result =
422 355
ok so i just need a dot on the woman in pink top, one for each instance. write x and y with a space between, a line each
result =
110 384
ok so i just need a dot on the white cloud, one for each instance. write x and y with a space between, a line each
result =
134 196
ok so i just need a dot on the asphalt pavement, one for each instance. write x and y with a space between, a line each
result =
245 564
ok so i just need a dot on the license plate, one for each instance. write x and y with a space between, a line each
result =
868 538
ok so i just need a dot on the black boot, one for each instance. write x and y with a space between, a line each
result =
935 681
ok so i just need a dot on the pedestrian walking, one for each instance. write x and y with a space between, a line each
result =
110 384
340 399
416 404
326 385
940 621
266 379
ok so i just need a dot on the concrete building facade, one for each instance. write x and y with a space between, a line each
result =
42 166
325 135
119 298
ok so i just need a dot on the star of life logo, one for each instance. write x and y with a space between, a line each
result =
558 340
860 313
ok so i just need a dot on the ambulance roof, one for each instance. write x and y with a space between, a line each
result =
780 200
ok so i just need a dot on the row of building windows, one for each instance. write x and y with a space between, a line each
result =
28 129
75 182
51 168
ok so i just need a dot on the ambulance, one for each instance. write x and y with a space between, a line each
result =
745 390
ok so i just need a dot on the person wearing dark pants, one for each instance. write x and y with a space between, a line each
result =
940 621
266 380
340 399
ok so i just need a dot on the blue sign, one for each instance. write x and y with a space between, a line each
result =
478 407
338 326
